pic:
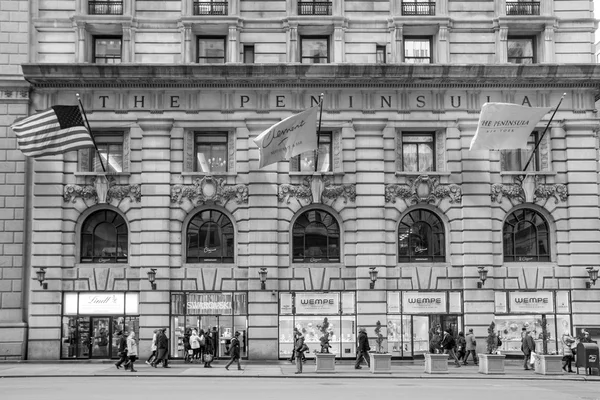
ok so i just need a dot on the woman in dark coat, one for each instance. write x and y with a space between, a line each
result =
208 351
187 357
162 348
234 349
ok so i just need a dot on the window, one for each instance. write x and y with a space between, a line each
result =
515 160
522 7
107 50
211 50
210 238
418 7
314 7
104 238
249 54
380 54
418 152
421 237
210 8
314 49
525 237
110 147
105 7
316 238
521 50
417 50
211 152
305 162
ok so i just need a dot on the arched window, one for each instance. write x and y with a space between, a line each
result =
316 238
421 237
104 238
525 236
210 238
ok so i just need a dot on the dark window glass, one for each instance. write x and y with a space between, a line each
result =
526 237
515 160
421 237
306 161
211 50
418 152
248 54
210 237
521 50
104 238
380 54
107 50
110 147
211 152
417 50
315 50
316 238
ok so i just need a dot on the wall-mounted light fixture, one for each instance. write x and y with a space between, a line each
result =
373 276
262 274
41 277
593 273
152 278
482 276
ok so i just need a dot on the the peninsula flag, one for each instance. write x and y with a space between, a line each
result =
289 137
56 130
505 126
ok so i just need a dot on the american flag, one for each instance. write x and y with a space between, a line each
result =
54 131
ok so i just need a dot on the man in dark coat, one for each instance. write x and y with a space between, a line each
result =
527 346
234 350
122 350
362 351
162 349
448 343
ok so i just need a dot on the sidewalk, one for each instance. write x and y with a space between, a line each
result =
267 369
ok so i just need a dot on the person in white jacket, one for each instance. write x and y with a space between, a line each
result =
195 345
132 350
153 349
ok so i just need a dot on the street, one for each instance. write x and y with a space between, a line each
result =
301 388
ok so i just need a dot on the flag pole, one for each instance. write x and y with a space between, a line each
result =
319 133
543 133
90 129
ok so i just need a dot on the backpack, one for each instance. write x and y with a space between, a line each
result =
202 340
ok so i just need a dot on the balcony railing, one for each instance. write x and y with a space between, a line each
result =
418 8
522 8
105 7
210 8
314 8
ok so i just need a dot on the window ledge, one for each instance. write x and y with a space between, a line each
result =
102 265
433 173
210 265
310 265
102 174
515 173
306 173
192 174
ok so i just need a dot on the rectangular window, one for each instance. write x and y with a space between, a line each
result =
210 8
417 50
249 54
380 54
305 162
105 7
110 147
107 49
418 152
418 7
314 7
521 50
314 49
522 7
211 152
515 160
211 50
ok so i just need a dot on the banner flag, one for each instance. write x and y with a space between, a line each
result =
288 138
54 131
505 126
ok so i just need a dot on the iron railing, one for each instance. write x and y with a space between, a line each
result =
314 8
522 8
418 8
211 8
105 7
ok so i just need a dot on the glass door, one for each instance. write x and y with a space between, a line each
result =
100 337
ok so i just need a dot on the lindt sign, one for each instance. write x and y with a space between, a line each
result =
101 303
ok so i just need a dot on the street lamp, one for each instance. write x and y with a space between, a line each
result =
373 275
41 277
482 276
593 273
262 274
152 278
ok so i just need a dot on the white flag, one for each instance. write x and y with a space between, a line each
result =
505 126
288 138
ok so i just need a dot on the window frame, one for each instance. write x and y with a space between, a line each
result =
536 258
198 57
407 38
535 165
304 258
380 49
531 38
99 138
226 257
295 164
315 37
199 134
95 39
82 242
246 49
408 134
430 258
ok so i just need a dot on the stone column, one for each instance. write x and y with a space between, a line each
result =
501 45
396 33
443 50
338 45
549 45
186 42
127 52
234 44
293 55
81 33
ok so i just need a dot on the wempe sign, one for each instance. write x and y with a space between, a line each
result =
424 302
531 302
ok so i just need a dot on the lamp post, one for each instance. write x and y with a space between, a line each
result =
152 278
373 276
41 277
262 274
482 276
593 273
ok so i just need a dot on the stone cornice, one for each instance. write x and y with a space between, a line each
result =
313 75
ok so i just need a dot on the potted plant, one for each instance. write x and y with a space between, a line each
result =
545 363
381 360
435 362
325 361
491 362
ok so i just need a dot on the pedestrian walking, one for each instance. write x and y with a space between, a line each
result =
527 347
362 350
122 350
214 337
195 345
208 356
187 348
234 350
471 348
132 351
435 338
162 349
448 344
299 348
152 357
461 346
567 343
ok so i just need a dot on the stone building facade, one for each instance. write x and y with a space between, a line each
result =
396 224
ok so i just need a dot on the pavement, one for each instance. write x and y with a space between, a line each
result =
269 369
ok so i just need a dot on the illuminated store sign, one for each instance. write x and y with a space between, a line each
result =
317 303
424 303
531 302
209 303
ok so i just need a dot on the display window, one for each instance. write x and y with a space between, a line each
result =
218 315
308 312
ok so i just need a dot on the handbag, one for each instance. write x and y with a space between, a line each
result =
532 357
190 352
208 357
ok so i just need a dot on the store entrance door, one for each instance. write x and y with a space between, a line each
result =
452 322
100 337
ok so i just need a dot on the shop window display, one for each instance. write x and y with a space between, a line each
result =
510 330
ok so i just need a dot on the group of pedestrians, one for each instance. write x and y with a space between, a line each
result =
128 351
458 349
199 346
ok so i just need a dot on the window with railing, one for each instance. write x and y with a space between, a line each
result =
314 8
210 8
105 7
418 7
522 8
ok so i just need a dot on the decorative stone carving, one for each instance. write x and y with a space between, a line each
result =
333 192
300 192
316 189
520 191
108 194
423 189
209 189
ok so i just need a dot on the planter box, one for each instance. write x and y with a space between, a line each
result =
548 364
491 364
436 363
325 362
381 363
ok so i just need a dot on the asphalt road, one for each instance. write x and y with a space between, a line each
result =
200 388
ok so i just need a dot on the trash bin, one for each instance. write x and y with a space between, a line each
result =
588 357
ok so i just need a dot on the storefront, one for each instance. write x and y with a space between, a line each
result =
311 312
91 320
412 315
220 313
529 310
